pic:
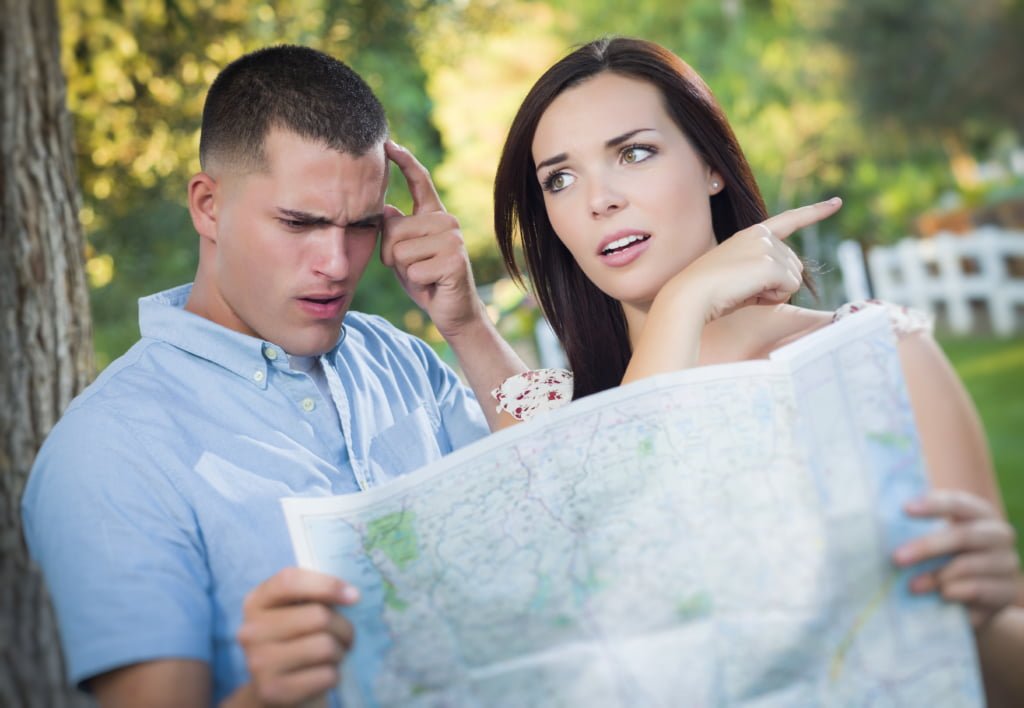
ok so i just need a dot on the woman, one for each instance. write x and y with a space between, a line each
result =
650 249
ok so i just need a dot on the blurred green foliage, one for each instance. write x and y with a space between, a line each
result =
891 105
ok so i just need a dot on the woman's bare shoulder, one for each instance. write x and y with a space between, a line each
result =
788 323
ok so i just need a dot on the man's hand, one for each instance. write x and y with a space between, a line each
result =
427 252
429 257
293 639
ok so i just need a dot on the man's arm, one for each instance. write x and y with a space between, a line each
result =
166 683
426 250
294 643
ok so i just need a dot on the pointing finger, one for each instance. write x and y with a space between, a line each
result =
421 187
783 225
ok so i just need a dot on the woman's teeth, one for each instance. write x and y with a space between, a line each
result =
623 242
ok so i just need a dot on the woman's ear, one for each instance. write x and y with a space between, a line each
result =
202 205
715 182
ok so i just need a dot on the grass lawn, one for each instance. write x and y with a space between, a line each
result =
993 371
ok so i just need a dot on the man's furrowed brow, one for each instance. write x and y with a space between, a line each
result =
305 217
316 220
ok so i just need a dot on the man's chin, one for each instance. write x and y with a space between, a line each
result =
313 346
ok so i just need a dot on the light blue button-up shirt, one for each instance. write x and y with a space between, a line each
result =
153 507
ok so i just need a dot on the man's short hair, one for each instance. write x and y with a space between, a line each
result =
293 88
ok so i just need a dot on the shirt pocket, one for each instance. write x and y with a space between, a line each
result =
407 445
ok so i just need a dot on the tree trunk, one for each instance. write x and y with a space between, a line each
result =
45 331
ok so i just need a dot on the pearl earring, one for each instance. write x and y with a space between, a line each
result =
714 185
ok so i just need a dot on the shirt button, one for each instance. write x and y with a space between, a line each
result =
308 404
257 376
270 353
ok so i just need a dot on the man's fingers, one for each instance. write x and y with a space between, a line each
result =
391 211
408 239
783 225
299 687
387 235
421 187
295 585
297 654
292 621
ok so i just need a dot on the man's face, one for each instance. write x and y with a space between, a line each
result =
293 241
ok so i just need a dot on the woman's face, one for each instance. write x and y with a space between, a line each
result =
624 189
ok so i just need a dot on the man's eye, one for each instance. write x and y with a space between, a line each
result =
294 224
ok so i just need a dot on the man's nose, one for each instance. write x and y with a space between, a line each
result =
332 255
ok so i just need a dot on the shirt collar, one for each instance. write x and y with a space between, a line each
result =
162 316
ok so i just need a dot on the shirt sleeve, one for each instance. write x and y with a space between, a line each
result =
461 415
119 548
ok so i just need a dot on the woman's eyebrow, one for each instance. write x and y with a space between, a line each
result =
612 142
552 160
619 139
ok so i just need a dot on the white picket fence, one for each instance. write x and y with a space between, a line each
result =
954 274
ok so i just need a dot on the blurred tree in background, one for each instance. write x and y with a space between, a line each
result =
893 106
44 327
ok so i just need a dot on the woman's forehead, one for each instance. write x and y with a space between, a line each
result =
599 109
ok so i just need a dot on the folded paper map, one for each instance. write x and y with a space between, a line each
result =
713 537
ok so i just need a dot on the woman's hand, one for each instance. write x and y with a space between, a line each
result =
984 570
752 267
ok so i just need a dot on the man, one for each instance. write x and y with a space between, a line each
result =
153 505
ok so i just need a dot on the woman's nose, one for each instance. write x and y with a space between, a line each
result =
605 198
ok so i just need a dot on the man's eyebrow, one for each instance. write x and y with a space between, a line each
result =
613 142
304 217
317 220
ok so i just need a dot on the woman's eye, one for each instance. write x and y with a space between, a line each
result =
636 153
558 181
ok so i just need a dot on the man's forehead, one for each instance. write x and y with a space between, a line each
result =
284 142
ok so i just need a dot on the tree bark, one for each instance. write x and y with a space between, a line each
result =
45 330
